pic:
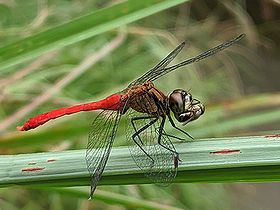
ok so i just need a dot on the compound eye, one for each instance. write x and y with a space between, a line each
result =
176 102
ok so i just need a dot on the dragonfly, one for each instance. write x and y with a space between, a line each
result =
148 109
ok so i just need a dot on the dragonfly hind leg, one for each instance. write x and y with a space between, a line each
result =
137 132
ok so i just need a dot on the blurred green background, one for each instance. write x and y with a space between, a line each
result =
239 86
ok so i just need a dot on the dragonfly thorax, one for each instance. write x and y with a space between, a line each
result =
184 107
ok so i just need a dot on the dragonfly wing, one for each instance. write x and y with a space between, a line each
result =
157 73
162 69
100 141
161 65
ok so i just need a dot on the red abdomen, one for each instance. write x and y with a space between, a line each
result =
112 102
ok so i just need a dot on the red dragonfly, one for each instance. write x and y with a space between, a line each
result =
147 108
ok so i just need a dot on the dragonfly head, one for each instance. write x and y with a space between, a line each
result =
184 107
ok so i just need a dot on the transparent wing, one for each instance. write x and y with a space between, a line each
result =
143 130
100 141
160 70
161 65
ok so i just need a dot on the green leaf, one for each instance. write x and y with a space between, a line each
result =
239 159
81 28
112 198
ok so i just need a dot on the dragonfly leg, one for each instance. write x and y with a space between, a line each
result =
174 126
175 137
137 132
160 131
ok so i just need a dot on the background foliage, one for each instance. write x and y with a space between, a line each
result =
239 86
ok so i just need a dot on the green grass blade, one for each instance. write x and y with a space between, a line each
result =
81 28
241 159
112 198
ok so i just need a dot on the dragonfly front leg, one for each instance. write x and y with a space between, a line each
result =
179 129
137 132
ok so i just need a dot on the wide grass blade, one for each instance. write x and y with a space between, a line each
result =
81 28
239 159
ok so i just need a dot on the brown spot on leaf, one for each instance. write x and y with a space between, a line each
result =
34 169
226 152
51 160
273 136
